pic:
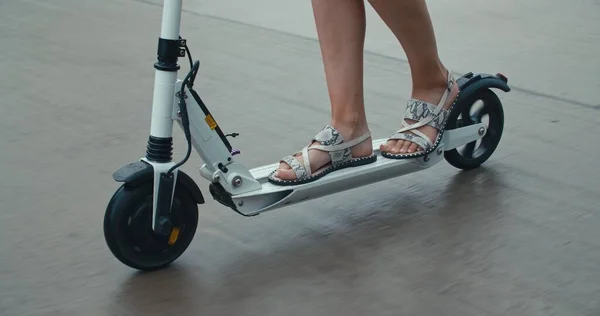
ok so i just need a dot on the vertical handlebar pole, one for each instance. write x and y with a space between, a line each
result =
159 152
171 19
160 143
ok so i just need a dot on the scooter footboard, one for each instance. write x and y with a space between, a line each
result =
272 196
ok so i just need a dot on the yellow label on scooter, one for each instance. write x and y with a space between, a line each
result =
211 122
174 236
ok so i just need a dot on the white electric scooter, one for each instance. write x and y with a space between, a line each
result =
152 218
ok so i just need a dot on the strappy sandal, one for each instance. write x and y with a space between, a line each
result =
424 113
339 151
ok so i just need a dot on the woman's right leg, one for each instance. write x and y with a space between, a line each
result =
341 28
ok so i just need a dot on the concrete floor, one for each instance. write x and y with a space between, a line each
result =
518 236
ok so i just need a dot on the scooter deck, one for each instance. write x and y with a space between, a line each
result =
272 196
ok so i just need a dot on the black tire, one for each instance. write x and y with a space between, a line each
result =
471 156
128 227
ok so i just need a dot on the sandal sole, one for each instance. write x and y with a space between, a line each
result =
356 162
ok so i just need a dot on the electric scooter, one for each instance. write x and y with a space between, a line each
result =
152 217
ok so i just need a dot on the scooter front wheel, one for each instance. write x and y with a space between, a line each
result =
128 227
485 107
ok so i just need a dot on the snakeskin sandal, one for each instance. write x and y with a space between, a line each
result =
332 142
424 113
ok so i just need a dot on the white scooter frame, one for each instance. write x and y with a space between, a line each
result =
250 191
247 191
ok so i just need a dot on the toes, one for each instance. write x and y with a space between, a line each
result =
284 169
412 148
398 147
388 146
285 174
405 147
383 147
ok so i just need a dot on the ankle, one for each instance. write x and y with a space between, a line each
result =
350 126
430 79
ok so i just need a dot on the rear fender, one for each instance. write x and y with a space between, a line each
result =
470 83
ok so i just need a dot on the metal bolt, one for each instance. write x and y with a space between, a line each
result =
481 131
440 151
240 203
426 159
237 181
217 177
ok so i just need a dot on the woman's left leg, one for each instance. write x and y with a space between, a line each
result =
432 84
341 32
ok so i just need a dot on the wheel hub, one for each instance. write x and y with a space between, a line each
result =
143 236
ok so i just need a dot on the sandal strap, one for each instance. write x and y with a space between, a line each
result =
425 113
299 170
331 141
423 142
421 134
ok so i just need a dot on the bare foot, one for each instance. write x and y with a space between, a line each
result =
434 96
319 159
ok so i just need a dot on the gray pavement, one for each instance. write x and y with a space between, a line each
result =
518 236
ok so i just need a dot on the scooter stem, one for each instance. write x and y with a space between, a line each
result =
166 73
171 19
159 152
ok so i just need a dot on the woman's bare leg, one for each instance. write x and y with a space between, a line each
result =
410 22
341 31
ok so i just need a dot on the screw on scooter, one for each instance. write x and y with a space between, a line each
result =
151 219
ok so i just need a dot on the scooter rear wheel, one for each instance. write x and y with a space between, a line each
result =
128 227
481 107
